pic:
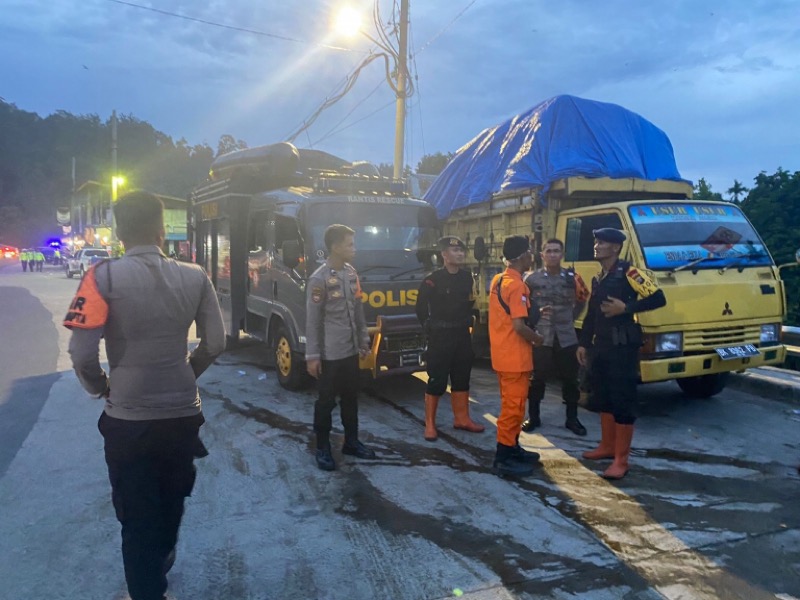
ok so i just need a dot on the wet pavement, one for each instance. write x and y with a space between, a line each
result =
708 510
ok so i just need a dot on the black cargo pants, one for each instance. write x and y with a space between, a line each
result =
151 469
338 378
449 356
614 378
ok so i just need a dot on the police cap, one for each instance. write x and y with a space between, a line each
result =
451 241
610 235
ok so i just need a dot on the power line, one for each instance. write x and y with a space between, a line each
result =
446 27
377 110
350 112
231 27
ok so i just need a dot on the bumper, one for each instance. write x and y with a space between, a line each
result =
706 364
398 346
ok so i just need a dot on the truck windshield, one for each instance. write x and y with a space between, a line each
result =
387 235
712 236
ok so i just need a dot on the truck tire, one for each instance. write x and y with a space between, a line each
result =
83 273
69 273
703 386
289 365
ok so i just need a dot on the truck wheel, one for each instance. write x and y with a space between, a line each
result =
69 273
703 386
83 273
288 363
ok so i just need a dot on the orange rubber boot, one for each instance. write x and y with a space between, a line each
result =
431 404
607 437
622 449
461 418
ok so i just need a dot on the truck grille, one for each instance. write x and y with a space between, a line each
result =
708 339
396 343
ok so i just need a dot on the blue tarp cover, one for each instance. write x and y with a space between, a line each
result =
564 136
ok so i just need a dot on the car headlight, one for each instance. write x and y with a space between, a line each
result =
669 342
770 334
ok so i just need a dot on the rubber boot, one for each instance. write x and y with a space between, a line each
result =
431 404
505 465
607 437
461 420
622 449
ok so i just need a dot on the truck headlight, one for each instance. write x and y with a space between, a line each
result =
668 342
770 334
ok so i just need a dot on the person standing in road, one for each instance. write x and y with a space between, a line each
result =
559 295
444 307
511 341
143 305
39 258
23 259
336 336
618 292
57 257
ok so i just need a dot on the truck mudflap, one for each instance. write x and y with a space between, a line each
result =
398 346
664 369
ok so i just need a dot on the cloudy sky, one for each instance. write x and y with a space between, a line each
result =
721 77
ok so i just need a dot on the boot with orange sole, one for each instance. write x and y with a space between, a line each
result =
431 404
622 449
461 419
607 437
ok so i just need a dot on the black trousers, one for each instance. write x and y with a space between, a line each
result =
338 378
554 362
450 357
151 469
614 378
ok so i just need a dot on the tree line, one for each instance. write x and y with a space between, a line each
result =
36 177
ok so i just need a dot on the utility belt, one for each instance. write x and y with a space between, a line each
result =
625 334
438 324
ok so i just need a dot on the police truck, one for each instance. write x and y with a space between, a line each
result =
258 225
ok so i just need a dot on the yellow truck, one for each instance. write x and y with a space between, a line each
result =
570 166
725 299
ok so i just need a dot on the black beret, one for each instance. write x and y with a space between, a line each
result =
610 235
515 246
450 241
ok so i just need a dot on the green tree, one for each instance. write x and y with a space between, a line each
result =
773 206
433 164
702 191
227 143
736 190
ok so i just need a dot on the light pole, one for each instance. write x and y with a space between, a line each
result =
349 22
117 182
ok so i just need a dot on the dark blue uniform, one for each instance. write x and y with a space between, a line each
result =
616 340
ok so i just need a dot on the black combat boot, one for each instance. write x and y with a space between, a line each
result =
573 424
533 421
358 450
324 457
506 465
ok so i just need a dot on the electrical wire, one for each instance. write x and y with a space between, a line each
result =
377 110
446 27
350 112
232 27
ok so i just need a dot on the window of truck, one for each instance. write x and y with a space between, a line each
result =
387 236
579 242
711 236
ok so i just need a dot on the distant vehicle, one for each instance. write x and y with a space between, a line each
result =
83 260
9 252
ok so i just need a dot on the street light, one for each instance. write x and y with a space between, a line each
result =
117 181
348 22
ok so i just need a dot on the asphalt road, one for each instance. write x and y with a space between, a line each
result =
709 509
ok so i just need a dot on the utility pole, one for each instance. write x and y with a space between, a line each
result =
72 208
113 174
400 109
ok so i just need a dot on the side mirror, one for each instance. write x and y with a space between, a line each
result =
479 250
291 253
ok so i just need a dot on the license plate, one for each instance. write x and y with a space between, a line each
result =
733 352
410 360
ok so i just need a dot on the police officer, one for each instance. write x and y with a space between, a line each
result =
444 307
618 292
23 258
39 256
559 295
336 335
